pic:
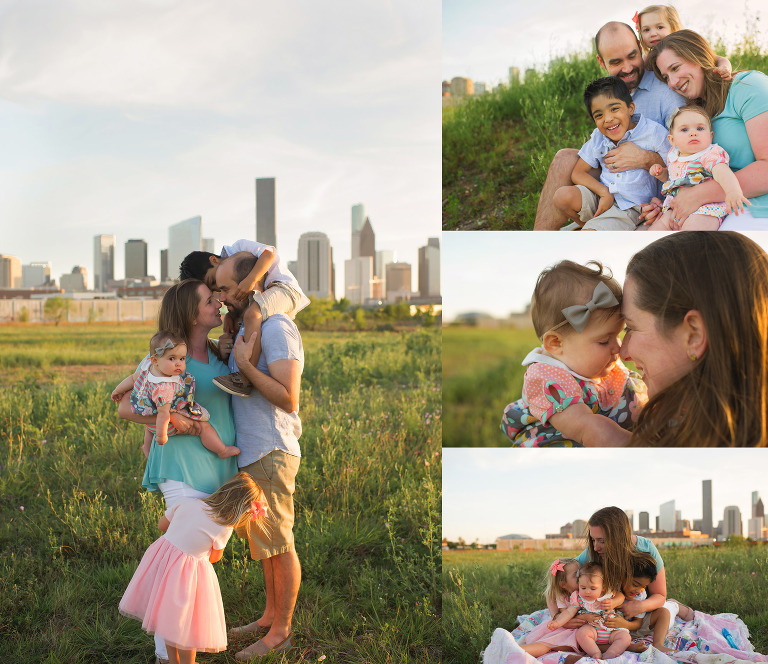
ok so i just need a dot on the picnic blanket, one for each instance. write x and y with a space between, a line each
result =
699 641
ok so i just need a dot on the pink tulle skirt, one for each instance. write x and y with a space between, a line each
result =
557 637
177 597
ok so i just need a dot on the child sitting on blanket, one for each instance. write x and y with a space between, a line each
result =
648 627
575 389
561 583
588 600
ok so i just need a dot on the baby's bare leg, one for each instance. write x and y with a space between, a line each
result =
619 640
700 222
212 442
585 637
663 223
148 436
537 649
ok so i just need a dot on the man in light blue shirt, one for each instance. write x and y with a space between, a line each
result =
268 430
619 53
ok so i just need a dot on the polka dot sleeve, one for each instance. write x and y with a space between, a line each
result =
548 390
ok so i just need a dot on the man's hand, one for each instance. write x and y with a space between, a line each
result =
618 621
625 157
244 350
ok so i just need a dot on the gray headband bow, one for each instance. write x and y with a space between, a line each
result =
159 350
578 314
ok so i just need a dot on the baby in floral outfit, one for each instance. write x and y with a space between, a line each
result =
161 386
576 390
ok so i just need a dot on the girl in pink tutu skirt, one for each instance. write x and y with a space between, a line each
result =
175 592
562 581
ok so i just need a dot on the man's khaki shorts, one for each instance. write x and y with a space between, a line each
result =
278 298
614 219
275 473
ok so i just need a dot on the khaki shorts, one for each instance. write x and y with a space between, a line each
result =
614 219
275 473
278 298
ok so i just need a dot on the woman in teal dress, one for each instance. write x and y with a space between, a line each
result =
183 467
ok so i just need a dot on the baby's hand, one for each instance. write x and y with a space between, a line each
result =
735 203
604 205
116 396
655 170
552 625
724 70
244 289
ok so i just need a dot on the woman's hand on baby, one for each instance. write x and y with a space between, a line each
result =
185 425
631 608
650 211
618 621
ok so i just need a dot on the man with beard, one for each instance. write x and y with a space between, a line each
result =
619 53
268 429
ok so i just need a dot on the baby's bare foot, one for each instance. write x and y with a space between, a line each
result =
228 452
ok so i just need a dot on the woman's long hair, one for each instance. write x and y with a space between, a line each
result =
619 547
179 310
723 400
693 48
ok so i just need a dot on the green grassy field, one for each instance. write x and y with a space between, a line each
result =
74 520
483 590
497 147
481 374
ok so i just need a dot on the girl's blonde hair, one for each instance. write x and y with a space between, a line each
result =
231 504
693 108
567 283
159 338
667 11
616 562
696 50
723 400
554 582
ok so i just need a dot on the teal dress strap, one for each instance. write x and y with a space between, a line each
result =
183 458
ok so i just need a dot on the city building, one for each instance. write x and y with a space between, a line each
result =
368 241
35 274
643 522
315 265
266 224
429 268
164 265
183 237
462 87
580 528
667 517
76 281
136 259
398 282
103 261
10 271
706 501
755 527
383 258
358 278
208 244
732 521
358 218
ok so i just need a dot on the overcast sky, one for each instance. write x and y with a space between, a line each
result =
482 39
490 492
127 116
495 271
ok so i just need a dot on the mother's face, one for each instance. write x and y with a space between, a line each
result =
208 307
660 358
681 75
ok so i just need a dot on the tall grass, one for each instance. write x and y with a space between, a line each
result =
489 589
367 501
497 147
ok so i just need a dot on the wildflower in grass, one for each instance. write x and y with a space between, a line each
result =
21 508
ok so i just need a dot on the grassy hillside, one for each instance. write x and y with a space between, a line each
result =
497 147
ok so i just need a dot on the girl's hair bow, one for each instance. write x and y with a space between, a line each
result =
636 19
556 567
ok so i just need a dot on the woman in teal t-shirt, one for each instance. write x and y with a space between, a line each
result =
183 468
611 543
739 112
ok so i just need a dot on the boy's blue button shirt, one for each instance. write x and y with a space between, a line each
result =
636 186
